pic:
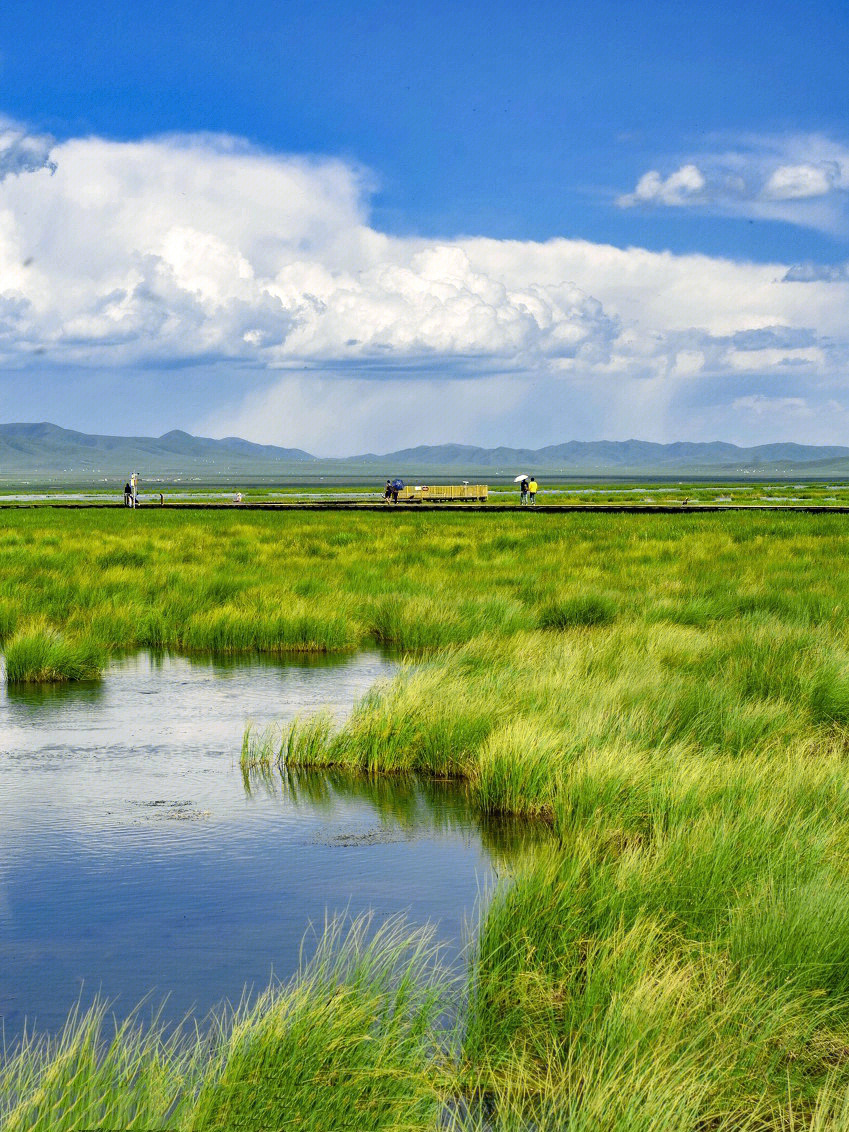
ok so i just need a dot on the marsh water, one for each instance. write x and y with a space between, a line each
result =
135 860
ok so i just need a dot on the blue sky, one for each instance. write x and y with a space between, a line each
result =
716 133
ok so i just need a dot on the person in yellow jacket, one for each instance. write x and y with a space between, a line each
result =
533 488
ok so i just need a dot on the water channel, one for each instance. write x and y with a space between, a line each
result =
134 860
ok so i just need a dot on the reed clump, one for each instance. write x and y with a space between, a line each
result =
44 656
584 609
260 749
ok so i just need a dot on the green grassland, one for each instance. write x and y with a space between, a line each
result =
664 698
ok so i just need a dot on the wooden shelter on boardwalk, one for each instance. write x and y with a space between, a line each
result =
444 493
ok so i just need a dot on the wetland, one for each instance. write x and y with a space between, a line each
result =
666 697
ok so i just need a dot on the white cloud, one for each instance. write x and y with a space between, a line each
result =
795 182
187 248
688 363
801 179
684 186
203 251
764 361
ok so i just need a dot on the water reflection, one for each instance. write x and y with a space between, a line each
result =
404 802
41 701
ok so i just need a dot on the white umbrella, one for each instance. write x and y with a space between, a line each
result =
518 479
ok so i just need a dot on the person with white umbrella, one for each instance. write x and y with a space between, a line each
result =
522 481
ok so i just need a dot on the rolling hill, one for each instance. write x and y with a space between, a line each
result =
38 449
45 449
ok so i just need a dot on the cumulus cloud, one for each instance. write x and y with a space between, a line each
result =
684 186
204 252
185 248
801 179
796 182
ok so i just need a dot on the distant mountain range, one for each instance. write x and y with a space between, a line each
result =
599 456
48 450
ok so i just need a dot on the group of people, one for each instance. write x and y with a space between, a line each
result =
390 492
528 488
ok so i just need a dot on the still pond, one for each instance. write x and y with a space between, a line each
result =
134 860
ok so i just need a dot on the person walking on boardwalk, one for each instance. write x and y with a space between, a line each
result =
128 491
387 491
533 488
523 488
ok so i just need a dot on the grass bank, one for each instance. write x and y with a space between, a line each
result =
678 958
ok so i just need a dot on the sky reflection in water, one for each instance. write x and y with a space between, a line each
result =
133 859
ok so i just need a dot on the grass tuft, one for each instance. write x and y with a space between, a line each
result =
44 656
573 612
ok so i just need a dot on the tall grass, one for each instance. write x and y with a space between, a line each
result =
586 609
316 582
350 1043
44 656
679 958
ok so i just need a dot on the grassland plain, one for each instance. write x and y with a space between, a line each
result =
667 695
